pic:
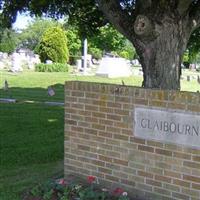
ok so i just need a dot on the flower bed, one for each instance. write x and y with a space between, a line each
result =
62 190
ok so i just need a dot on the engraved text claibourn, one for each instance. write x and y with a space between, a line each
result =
167 126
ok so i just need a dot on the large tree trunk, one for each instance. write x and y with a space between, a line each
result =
161 54
159 30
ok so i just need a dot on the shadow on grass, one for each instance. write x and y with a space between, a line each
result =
34 94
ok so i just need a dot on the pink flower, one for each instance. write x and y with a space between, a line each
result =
91 179
62 181
118 191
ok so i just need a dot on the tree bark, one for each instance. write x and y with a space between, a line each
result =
159 31
161 52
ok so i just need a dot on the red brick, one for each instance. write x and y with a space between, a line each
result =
196 158
163 152
181 183
180 196
105 158
163 178
137 140
105 134
153 183
83 147
191 178
145 148
113 117
191 164
196 186
182 155
120 162
104 170
172 174
112 178
145 174
121 137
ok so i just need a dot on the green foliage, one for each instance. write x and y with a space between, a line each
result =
31 36
128 51
53 46
8 41
109 39
73 44
96 52
54 67
194 45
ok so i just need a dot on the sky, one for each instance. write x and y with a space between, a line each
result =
22 21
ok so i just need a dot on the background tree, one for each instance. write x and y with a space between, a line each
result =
194 45
8 41
53 46
31 36
108 39
73 42
159 30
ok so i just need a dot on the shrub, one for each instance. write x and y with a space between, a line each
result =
96 53
53 46
55 67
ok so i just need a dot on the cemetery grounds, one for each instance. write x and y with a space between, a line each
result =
31 131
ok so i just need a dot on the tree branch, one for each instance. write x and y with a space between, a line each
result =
143 4
183 6
117 16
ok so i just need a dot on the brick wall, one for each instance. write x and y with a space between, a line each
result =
99 141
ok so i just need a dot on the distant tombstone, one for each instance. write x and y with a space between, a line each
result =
198 79
16 63
114 67
89 60
49 62
78 64
136 62
188 78
5 86
51 91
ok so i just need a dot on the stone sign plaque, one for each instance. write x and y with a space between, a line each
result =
167 126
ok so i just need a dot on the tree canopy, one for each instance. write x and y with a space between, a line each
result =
31 36
158 29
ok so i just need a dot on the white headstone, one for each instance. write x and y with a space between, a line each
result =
114 67
16 63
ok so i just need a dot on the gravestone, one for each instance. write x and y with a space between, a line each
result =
114 67
5 86
198 79
16 65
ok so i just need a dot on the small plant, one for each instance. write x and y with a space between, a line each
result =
55 67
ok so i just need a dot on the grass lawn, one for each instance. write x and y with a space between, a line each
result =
31 138
33 85
31 135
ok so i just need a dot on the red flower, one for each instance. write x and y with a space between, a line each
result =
118 191
91 179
